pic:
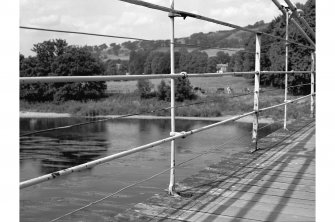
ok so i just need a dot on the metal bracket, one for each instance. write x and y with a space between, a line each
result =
178 133
185 75
173 15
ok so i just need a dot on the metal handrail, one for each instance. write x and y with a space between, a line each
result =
93 163
52 79
58 79
177 135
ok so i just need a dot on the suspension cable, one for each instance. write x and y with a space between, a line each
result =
209 150
126 37
185 14
83 33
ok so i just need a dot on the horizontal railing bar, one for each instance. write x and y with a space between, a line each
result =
100 161
288 72
287 102
53 79
200 17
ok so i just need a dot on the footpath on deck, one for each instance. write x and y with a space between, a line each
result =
276 183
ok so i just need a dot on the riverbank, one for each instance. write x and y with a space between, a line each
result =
212 108
247 119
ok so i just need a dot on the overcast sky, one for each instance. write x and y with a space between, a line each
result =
114 17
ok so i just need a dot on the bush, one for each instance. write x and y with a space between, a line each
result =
184 89
145 88
163 92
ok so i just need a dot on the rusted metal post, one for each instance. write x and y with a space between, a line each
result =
256 88
287 14
312 85
173 126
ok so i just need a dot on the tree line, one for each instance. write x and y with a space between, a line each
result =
273 53
57 58
153 62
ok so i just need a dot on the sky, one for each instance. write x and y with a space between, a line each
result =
114 17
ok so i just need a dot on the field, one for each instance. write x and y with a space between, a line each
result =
210 84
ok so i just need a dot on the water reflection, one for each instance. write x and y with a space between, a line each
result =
52 151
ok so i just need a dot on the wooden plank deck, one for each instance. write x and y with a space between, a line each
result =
276 183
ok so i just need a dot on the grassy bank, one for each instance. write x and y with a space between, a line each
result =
125 101
131 103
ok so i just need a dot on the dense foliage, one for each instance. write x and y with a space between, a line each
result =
56 58
145 88
273 53
183 90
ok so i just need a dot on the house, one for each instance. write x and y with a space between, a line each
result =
221 68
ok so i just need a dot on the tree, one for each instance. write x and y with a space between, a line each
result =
184 89
145 88
223 57
116 49
273 53
163 92
137 61
183 60
103 47
56 58
211 64
132 46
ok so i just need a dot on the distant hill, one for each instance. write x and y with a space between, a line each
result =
231 39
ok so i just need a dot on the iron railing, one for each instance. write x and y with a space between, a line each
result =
172 13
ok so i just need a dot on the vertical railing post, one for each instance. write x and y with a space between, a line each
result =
286 67
256 88
312 85
173 127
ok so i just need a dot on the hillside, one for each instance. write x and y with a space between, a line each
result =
234 39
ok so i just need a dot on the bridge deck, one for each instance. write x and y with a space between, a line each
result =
276 183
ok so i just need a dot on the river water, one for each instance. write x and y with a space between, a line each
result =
48 152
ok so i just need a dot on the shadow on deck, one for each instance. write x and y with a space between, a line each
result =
276 183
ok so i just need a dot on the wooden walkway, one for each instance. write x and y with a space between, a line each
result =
276 183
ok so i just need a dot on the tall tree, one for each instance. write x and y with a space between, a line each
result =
61 60
137 61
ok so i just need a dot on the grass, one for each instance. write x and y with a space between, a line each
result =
125 101
210 84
